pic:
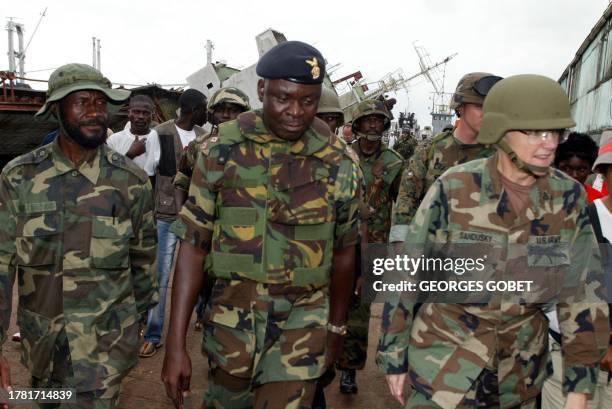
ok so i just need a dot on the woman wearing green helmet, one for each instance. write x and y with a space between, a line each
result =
523 220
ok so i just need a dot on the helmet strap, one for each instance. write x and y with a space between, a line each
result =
525 167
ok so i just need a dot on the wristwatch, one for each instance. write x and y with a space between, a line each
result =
340 330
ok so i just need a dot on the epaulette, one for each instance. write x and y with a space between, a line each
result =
395 154
120 161
435 140
35 156
228 136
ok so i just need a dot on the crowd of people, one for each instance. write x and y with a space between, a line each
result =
263 221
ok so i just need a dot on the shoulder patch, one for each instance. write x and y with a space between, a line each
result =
35 156
393 155
120 161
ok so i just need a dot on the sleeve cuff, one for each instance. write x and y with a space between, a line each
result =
398 232
580 379
392 362
200 238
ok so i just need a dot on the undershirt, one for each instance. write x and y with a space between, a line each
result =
186 136
518 195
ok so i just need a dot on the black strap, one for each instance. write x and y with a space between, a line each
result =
167 158
594 218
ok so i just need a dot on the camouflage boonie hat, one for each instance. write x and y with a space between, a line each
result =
76 77
230 95
473 88
329 103
370 107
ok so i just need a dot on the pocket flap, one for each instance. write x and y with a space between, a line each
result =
110 227
45 224
299 172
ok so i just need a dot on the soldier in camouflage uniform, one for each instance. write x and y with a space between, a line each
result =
224 105
76 227
329 109
274 209
531 221
446 149
406 145
382 172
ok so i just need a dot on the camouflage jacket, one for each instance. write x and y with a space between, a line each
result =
405 147
445 346
184 171
271 210
424 167
82 242
380 171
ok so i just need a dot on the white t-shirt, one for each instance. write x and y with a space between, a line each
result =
121 142
186 136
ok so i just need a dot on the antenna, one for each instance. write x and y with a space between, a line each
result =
209 49
43 14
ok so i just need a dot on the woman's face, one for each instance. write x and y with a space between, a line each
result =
576 167
532 149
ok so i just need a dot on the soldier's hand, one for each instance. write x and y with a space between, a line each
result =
396 386
576 401
5 377
358 286
606 363
176 374
138 147
334 348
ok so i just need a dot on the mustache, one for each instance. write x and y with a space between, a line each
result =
94 121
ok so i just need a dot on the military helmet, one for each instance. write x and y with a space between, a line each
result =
230 95
524 102
76 77
329 103
473 88
370 107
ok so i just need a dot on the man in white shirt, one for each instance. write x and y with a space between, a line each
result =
173 137
138 141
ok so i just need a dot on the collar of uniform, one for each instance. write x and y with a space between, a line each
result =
90 167
462 144
491 187
252 127
371 158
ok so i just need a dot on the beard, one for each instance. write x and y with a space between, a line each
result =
74 132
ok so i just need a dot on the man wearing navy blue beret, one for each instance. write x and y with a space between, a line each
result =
273 207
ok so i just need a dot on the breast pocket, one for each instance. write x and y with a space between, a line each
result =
37 239
300 193
110 242
547 251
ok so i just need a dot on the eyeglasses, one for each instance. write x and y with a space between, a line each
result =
484 85
538 137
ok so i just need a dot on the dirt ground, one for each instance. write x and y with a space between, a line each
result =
143 388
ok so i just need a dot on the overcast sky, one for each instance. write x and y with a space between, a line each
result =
163 42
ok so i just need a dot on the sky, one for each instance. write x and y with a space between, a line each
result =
164 42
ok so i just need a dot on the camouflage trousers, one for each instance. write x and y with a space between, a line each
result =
259 334
483 394
355 343
105 396
230 392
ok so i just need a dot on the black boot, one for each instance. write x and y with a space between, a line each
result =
347 382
